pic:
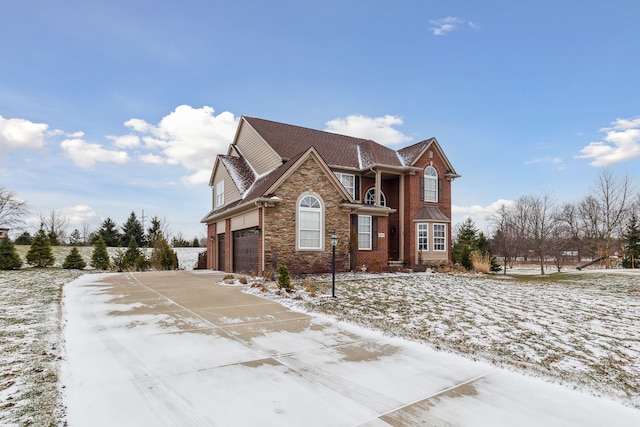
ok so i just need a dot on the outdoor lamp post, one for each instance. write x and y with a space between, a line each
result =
334 243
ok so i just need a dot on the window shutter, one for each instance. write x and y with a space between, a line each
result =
440 189
374 232
422 188
356 189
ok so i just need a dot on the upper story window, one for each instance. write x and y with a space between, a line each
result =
430 184
310 223
370 197
348 180
219 193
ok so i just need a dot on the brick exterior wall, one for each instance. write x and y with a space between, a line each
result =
280 224
414 204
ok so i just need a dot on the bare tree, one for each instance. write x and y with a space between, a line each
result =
12 209
506 239
54 223
613 196
540 223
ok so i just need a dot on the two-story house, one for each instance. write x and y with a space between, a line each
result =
281 191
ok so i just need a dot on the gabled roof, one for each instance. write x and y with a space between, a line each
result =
336 150
412 153
239 170
264 187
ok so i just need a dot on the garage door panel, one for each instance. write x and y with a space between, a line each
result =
245 250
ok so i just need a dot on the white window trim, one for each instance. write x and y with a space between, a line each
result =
350 189
219 193
298 209
430 184
426 245
363 241
383 198
444 238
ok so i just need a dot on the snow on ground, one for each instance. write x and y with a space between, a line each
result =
580 331
30 344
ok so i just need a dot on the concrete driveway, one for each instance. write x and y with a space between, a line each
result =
177 349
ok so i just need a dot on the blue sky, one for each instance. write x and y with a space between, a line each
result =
120 106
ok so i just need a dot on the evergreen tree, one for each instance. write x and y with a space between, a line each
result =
162 257
631 239
40 254
196 242
54 239
466 242
9 258
154 230
76 238
74 260
109 233
131 255
23 239
133 228
283 280
100 257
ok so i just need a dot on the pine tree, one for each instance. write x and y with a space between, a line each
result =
283 280
131 254
24 239
40 254
196 242
74 260
75 238
132 228
632 243
154 230
100 257
9 258
466 242
109 233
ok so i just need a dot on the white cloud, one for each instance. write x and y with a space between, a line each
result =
86 155
621 143
153 159
125 141
479 214
21 133
191 137
79 214
557 162
378 129
443 26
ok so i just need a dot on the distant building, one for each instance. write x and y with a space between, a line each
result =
4 232
282 191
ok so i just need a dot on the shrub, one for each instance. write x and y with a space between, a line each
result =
481 262
40 254
283 280
74 260
9 258
162 257
100 256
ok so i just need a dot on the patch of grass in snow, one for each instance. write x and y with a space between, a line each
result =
29 344
576 328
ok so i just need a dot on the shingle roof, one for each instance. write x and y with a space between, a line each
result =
430 213
239 170
337 150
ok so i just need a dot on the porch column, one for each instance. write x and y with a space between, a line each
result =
402 219
378 186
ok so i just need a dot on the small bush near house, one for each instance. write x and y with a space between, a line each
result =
243 280
9 258
74 260
162 257
283 280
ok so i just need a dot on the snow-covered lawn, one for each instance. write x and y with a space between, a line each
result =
30 344
581 329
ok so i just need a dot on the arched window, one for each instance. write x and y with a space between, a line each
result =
370 197
430 184
309 223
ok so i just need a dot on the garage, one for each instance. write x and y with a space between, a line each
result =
245 250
